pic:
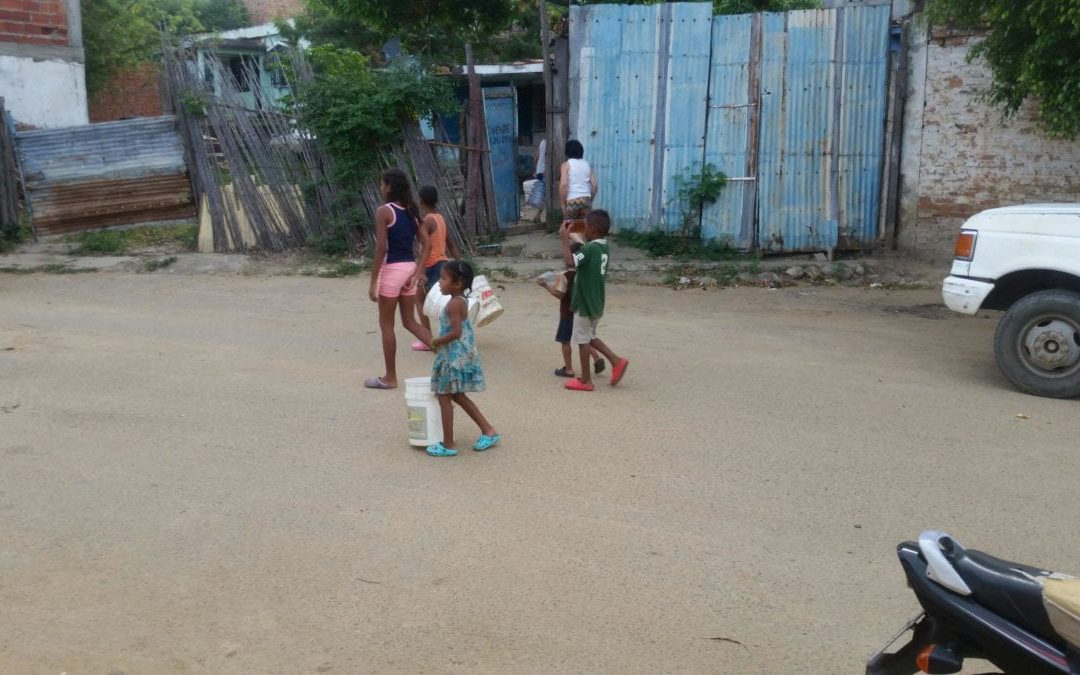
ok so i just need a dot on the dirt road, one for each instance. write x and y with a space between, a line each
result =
192 479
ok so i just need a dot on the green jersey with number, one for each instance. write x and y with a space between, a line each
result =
591 262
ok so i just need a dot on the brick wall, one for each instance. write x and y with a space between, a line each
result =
136 93
970 159
42 22
265 11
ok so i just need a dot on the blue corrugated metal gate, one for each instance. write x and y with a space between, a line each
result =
500 110
790 106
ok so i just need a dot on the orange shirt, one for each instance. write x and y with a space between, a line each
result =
438 241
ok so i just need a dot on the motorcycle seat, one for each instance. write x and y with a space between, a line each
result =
1011 590
1062 601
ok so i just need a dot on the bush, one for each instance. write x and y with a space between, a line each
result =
103 242
13 234
114 242
667 245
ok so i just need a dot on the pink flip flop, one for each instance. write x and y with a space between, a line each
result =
618 371
420 347
377 383
577 385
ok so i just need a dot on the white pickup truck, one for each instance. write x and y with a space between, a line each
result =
1025 261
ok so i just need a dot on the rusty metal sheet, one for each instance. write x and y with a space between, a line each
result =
823 128
864 79
98 175
72 207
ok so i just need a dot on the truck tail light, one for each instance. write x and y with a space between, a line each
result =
965 244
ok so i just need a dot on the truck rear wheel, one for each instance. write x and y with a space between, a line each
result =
1037 344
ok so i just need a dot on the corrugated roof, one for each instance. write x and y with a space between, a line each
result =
105 174
796 132
109 150
689 40
728 135
863 103
643 77
823 112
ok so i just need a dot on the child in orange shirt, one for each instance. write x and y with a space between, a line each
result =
441 243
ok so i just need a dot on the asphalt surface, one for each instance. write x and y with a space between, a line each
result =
192 479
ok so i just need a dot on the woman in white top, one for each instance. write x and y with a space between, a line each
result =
539 195
577 184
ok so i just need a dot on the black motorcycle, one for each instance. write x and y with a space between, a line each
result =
1022 619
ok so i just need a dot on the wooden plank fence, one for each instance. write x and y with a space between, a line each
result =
9 186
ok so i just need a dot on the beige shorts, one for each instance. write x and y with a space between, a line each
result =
584 330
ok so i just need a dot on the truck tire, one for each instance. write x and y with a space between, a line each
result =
1037 344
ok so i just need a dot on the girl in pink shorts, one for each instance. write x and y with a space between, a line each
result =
395 274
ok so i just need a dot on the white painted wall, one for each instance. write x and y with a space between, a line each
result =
44 93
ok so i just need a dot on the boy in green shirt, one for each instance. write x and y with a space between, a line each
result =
590 261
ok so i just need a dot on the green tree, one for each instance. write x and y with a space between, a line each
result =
179 17
1032 48
434 30
356 111
734 6
323 22
751 6
121 34
321 26
217 15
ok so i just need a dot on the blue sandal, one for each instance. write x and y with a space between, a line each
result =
440 450
485 442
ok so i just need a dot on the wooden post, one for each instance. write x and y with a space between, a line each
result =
550 166
560 113
472 179
748 228
893 141
9 194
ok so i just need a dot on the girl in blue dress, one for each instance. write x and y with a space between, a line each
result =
457 370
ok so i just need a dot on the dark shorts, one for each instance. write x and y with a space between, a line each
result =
433 273
565 332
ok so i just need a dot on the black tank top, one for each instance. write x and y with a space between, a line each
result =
400 236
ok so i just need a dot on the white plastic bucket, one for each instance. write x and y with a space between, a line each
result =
423 414
436 302
490 309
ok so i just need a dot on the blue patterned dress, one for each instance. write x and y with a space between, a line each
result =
457 364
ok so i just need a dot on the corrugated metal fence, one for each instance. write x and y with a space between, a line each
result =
791 106
116 173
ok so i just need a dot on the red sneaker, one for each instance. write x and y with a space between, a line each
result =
618 371
577 385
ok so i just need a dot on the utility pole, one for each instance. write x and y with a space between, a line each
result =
550 175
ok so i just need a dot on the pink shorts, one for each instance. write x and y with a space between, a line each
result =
394 277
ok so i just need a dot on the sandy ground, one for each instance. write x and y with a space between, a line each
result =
192 479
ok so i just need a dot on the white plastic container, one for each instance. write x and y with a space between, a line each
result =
489 309
436 302
423 414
